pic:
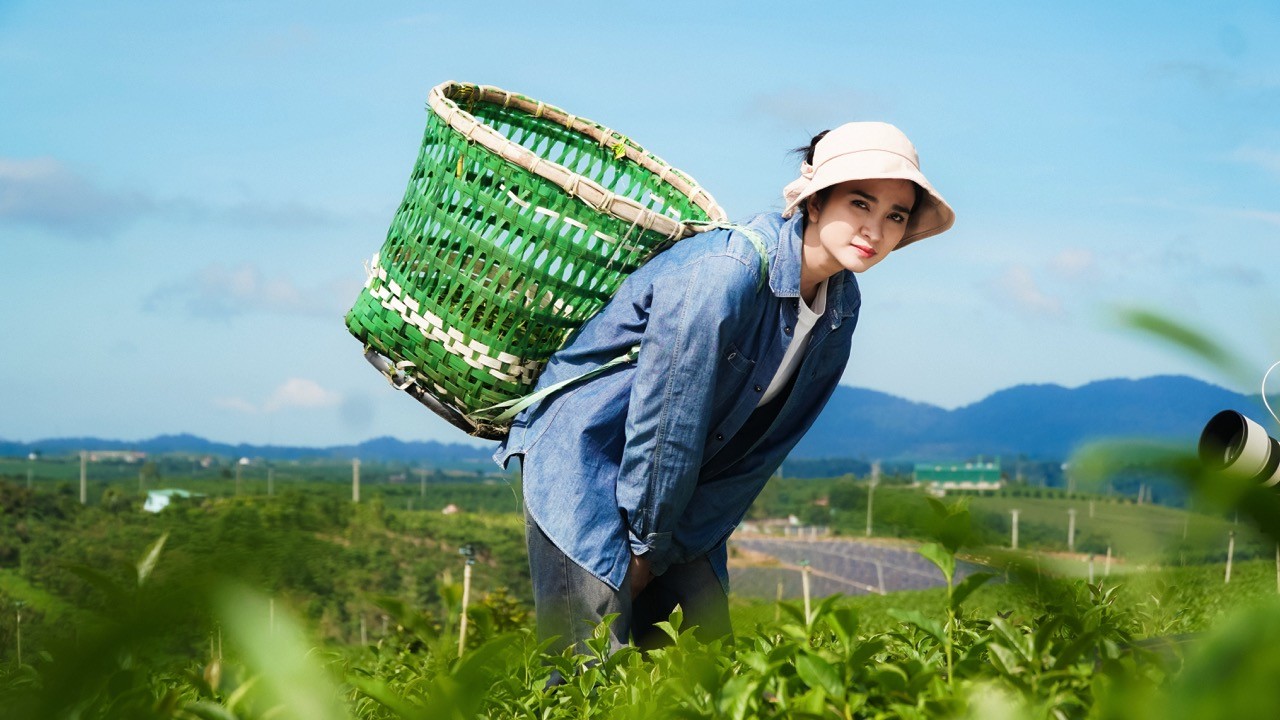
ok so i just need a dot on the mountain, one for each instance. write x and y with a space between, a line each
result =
1039 421
1044 422
383 449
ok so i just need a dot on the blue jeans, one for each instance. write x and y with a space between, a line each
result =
570 602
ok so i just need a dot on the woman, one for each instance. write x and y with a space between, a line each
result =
634 479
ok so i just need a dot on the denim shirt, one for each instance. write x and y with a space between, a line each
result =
648 458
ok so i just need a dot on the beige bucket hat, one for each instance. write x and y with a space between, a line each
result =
865 151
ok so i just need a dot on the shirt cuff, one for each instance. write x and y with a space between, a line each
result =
651 544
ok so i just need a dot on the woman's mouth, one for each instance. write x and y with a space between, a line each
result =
864 250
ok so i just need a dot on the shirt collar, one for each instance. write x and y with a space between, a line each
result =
784 272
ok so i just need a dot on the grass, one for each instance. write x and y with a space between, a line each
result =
14 587
1134 532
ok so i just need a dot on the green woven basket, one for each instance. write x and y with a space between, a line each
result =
519 223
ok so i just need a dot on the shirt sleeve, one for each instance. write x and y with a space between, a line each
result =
694 315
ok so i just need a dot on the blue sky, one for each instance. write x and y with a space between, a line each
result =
188 190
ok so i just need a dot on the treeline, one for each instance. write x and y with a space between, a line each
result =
330 559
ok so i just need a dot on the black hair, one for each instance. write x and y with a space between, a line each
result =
806 152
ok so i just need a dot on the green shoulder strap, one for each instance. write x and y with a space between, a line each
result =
511 408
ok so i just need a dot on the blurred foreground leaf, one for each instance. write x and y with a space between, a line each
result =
1190 340
290 678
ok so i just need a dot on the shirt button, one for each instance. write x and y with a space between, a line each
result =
733 355
719 437
787 330
759 389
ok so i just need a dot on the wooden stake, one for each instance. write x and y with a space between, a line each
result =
777 608
466 599
1231 551
1014 539
804 582
355 480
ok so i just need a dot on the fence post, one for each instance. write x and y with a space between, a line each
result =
1071 530
355 480
804 582
1231 551
1015 528
469 553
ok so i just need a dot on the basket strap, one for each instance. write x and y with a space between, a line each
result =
511 408
750 233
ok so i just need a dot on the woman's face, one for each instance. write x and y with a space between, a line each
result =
858 223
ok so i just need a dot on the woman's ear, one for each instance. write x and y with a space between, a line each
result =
812 206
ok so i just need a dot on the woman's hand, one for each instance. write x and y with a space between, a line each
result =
639 573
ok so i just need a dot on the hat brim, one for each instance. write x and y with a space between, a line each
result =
931 216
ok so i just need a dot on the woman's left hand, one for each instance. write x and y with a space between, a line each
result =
640 574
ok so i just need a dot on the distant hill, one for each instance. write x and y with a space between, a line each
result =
1039 421
383 449
1043 422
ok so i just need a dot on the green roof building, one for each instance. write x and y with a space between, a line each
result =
940 478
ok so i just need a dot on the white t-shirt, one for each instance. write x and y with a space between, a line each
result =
806 318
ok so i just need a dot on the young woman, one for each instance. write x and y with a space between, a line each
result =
634 480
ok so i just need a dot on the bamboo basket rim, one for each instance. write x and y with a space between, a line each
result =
440 100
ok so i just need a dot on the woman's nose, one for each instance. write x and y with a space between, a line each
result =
871 230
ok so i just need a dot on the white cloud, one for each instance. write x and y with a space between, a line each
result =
812 110
236 404
220 292
300 393
1271 217
1268 160
46 193
293 393
1075 264
1018 284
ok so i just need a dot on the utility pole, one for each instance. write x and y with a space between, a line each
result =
355 480
271 473
1014 542
1071 529
84 478
422 481
871 491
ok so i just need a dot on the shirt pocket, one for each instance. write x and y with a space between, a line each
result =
734 358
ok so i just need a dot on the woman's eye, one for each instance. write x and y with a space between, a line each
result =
897 217
861 204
